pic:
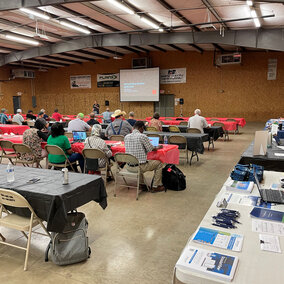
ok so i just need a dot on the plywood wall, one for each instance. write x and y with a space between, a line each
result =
235 91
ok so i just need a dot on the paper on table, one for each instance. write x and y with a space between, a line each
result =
279 154
261 226
269 243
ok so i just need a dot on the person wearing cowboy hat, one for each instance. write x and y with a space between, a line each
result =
118 126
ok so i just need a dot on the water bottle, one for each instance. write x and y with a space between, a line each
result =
165 139
10 173
65 176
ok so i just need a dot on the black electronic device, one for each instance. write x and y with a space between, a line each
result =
106 103
181 101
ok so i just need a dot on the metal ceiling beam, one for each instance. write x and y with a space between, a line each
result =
48 62
217 46
77 56
27 64
141 48
271 39
41 63
199 49
17 4
8 49
158 48
176 47
68 61
93 54
129 49
110 51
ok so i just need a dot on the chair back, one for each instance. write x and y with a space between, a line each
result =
6 145
183 123
21 148
54 150
151 128
15 123
93 154
126 158
214 119
178 140
13 199
116 138
230 119
218 124
173 128
68 134
193 130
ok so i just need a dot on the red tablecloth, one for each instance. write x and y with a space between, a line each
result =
11 128
168 154
240 121
228 125
169 122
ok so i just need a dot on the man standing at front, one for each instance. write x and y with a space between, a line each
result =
138 145
197 121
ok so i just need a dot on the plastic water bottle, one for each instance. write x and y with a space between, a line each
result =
165 139
65 176
10 173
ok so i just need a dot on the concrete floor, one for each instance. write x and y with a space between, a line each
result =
134 241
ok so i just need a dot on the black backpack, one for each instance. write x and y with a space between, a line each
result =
173 178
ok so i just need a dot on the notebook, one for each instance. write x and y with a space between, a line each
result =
269 195
79 136
154 141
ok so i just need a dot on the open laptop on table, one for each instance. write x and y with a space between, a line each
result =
79 136
154 141
269 195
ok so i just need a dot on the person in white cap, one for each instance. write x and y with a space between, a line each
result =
118 126
18 117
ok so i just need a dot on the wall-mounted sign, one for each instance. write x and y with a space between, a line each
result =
80 82
173 76
108 80
272 69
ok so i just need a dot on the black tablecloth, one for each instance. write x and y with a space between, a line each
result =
270 162
194 140
49 198
215 132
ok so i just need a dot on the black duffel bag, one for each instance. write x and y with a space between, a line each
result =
173 178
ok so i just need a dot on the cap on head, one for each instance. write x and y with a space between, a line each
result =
42 110
3 110
41 113
80 115
19 110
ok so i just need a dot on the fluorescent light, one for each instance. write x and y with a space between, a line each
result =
122 7
21 39
255 18
161 30
150 23
35 13
74 27
249 3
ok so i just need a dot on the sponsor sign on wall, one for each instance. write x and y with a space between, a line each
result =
173 76
80 82
108 80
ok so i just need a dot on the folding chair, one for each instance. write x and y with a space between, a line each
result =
15 123
6 147
97 154
13 221
55 150
185 123
196 130
226 132
130 170
116 138
182 144
21 150
174 129
151 128
232 119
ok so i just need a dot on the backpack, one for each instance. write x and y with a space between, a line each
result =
70 246
173 178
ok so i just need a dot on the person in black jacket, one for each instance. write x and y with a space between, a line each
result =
92 120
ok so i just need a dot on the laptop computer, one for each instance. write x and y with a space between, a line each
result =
269 195
79 136
154 141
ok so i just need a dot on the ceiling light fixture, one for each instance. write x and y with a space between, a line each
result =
249 3
148 22
161 30
74 27
35 13
22 40
255 18
122 7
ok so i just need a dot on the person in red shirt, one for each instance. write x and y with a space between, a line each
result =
56 115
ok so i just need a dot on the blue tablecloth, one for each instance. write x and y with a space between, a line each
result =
280 134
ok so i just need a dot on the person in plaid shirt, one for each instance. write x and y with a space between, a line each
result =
138 145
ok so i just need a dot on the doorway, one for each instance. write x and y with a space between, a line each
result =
16 103
166 105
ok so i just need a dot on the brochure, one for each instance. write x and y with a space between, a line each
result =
240 186
267 214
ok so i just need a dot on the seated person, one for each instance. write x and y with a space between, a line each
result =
78 124
56 115
92 120
30 115
41 123
131 119
138 145
45 116
106 116
3 117
18 117
155 122
118 126
32 139
95 142
197 121
58 138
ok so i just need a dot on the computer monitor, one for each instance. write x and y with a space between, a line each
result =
79 136
154 141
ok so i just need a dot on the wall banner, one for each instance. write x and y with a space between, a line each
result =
173 76
108 80
80 82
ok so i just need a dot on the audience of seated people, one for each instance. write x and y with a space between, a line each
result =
155 122
197 121
118 126
58 138
92 119
131 119
78 124
139 145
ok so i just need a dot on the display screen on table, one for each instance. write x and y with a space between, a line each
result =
154 141
140 85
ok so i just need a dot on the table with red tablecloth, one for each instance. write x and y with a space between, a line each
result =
12 128
168 154
228 125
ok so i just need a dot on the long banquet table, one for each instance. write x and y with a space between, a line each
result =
12 128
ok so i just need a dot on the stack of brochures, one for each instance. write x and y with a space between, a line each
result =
212 264
240 186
